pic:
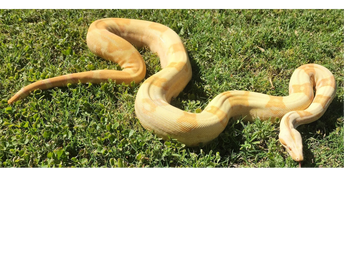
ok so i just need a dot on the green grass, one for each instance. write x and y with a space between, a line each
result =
92 125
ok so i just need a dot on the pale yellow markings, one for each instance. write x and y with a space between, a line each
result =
117 76
117 44
96 74
125 21
322 99
275 113
234 100
99 24
125 74
117 26
22 94
69 77
304 113
305 88
309 69
277 102
330 81
157 81
178 65
187 121
148 105
158 27
161 102
175 48
111 46
287 125
131 61
223 118
48 83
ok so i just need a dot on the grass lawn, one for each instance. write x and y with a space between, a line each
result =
95 125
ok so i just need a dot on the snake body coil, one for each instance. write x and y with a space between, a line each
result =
113 39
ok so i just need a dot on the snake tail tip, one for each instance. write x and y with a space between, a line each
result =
11 101
14 98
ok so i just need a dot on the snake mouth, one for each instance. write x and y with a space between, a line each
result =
295 153
297 157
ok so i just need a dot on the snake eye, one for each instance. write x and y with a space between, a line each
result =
285 145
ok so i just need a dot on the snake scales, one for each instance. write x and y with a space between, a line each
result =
113 39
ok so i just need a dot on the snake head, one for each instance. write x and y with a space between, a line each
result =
291 140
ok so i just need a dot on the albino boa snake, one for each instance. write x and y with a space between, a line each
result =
112 39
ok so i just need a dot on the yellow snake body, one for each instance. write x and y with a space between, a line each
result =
113 39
